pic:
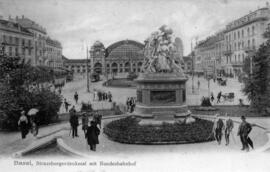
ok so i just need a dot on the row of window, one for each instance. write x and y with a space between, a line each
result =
240 34
241 45
235 59
15 51
16 41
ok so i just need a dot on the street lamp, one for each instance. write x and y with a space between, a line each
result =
87 72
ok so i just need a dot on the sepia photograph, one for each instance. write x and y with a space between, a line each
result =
134 85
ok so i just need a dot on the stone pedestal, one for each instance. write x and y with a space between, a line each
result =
161 95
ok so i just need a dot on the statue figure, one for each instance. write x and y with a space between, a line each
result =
159 52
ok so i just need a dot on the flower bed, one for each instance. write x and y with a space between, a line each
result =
128 130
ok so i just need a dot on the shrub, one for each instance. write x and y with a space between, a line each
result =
129 131
206 102
14 102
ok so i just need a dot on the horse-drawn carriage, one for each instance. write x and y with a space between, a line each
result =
228 96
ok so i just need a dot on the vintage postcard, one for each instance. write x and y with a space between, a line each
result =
125 85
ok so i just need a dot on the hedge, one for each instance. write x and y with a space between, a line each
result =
128 130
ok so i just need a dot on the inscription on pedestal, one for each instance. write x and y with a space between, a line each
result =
163 96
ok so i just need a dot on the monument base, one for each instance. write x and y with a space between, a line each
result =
161 96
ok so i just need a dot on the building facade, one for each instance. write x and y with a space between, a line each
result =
16 40
205 53
226 51
243 37
25 38
120 57
53 53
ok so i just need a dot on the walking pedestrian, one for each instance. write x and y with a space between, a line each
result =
127 103
76 97
110 96
243 132
85 122
217 128
198 83
66 104
23 124
228 128
212 97
74 122
97 119
34 127
219 96
92 135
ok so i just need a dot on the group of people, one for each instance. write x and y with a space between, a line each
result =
27 123
227 126
131 103
218 97
91 132
102 96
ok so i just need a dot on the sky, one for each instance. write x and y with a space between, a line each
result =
79 23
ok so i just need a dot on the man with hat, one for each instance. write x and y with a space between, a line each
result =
92 135
228 128
217 128
243 131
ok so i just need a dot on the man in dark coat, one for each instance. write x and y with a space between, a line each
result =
92 136
74 122
243 131
219 96
76 97
218 127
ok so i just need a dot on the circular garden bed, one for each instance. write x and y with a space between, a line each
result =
128 130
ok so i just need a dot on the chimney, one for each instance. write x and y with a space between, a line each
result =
17 18
22 16
1 17
267 4
9 17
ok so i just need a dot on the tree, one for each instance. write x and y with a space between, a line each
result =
257 84
17 76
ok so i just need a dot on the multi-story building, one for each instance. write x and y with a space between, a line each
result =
219 53
205 56
16 40
39 39
243 37
53 53
238 41
179 52
118 58
187 64
25 38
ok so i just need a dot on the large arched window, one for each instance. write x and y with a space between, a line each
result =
114 67
98 67
127 67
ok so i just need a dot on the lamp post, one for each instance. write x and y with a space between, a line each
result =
87 72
